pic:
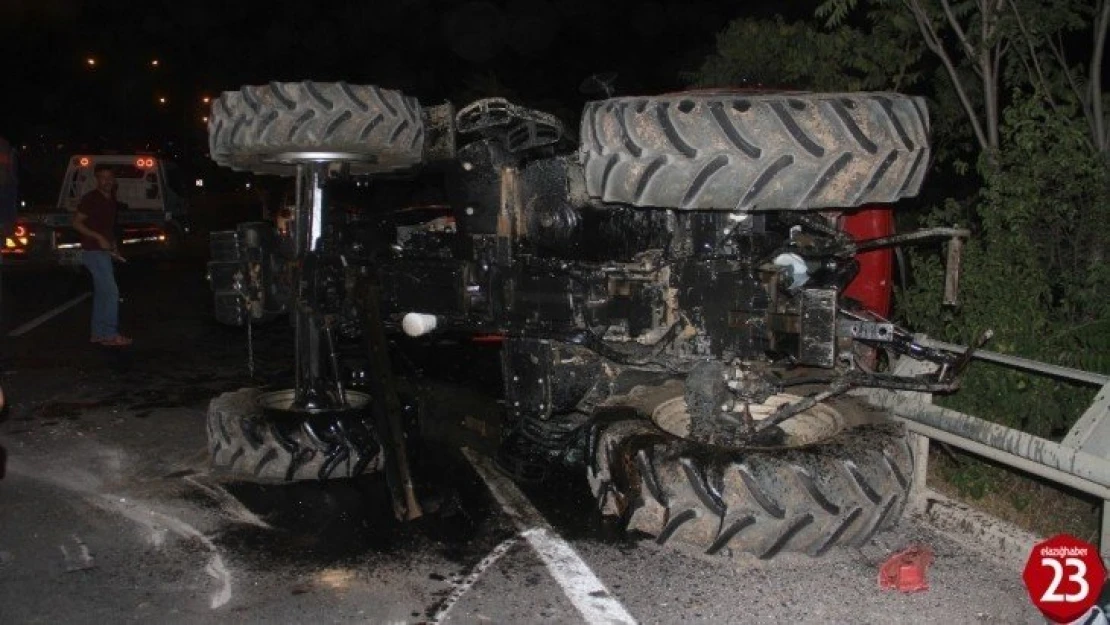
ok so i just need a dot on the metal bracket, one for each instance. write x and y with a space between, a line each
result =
817 327
865 330
952 271
917 236
955 236
517 127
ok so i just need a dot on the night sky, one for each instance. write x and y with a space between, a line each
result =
83 74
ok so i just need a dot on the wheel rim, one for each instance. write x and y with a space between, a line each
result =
278 404
807 428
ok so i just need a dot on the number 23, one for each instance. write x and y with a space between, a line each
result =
1079 577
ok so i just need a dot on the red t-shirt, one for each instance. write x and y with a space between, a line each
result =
100 217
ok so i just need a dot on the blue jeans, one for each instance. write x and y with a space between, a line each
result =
105 310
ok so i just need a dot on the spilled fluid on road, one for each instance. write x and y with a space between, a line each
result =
340 521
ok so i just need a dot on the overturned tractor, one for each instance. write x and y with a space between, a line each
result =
677 295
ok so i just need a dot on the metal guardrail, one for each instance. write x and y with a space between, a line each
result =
1081 461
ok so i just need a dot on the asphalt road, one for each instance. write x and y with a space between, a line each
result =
108 512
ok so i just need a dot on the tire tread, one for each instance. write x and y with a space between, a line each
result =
781 151
260 455
248 127
760 502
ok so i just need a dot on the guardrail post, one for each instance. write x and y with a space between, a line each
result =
919 446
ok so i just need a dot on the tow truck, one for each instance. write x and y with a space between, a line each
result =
152 220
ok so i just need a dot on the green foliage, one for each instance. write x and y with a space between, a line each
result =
954 143
800 55
835 12
1034 271
973 480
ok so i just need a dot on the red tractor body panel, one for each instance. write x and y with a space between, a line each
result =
873 286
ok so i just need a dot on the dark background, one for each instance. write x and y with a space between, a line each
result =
537 52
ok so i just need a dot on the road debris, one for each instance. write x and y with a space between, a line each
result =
905 571
81 560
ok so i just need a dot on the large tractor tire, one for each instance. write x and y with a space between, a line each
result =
738 151
760 501
263 128
245 445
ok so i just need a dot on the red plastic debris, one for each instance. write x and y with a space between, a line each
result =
905 570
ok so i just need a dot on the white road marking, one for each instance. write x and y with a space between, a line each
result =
48 315
471 579
590 597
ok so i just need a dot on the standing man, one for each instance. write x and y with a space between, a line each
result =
95 221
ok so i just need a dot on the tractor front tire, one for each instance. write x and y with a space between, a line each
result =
243 444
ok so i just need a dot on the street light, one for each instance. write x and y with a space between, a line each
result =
162 100
91 62
206 99
154 63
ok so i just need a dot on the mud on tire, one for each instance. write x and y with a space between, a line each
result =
242 443
740 151
758 501
250 128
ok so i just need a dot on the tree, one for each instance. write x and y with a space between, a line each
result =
1039 121
986 46
802 55
1045 57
